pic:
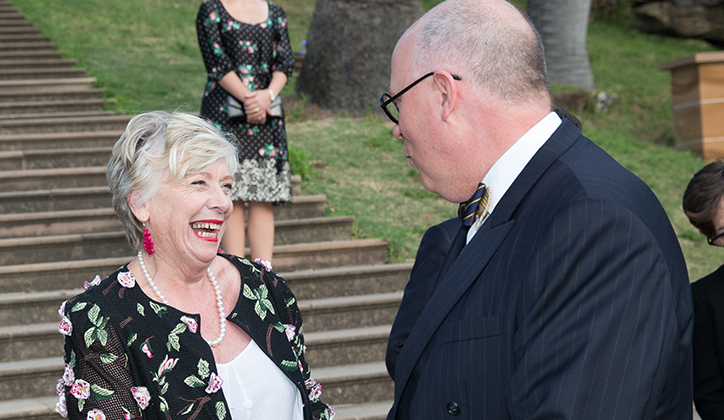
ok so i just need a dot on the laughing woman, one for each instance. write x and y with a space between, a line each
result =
181 331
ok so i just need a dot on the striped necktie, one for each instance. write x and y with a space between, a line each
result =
475 209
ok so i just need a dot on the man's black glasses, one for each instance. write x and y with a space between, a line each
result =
387 102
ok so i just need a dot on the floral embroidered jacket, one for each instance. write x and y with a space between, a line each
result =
130 357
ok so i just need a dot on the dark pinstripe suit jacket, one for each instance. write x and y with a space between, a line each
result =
571 302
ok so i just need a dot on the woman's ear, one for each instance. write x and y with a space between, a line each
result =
445 84
139 210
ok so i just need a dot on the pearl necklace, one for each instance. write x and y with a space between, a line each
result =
219 302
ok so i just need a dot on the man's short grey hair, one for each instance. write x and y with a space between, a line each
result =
495 49
155 142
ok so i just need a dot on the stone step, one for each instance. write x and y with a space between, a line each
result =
70 247
19 30
10 15
354 384
100 197
18 308
14 23
13 37
45 84
29 342
53 113
36 179
25 55
348 281
28 45
54 158
334 348
36 63
55 199
59 94
369 411
68 124
36 378
48 272
33 409
30 141
33 108
350 311
42 73
25 225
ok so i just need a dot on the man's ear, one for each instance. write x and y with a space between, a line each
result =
139 210
449 94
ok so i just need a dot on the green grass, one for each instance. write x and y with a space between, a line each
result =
145 53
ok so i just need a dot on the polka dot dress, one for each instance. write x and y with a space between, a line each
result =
254 52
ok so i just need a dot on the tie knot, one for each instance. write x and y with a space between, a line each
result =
476 207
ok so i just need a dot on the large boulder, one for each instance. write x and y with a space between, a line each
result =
684 18
349 48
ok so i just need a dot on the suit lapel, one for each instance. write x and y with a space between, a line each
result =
460 271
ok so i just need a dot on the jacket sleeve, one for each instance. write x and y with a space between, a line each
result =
708 379
216 60
97 373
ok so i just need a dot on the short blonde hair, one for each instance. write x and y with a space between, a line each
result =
184 144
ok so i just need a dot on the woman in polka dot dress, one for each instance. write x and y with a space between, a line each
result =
247 54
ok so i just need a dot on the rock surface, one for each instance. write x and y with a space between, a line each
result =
702 19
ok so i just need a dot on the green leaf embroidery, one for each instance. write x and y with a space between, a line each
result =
204 370
234 315
102 322
194 382
173 343
279 327
107 358
158 309
248 294
89 337
103 336
247 262
290 301
163 406
72 358
220 410
100 393
188 410
81 404
79 306
140 309
164 389
131 339
180 328
93 314
162 382
289 365
262 303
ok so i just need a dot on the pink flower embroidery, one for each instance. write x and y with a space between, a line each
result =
147 349
315 389
215 383
80 389
141 395
126 416
191 323
68 375
61 310
60 407
60 387
126 279
290 329
96 281
167 365
96 414
264 263
65 327
212 16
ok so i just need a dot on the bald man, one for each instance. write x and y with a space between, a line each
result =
565 294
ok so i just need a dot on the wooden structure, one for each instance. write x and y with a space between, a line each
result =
697 97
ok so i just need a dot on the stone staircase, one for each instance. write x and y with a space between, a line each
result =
57 230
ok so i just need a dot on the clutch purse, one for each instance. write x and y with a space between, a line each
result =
236 114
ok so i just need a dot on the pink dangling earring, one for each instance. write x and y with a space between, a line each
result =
147 241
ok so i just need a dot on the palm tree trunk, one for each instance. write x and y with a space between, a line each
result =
563 25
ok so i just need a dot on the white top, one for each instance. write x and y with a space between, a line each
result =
256 389
506 169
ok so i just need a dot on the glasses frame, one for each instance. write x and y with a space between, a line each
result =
710 241
385 99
